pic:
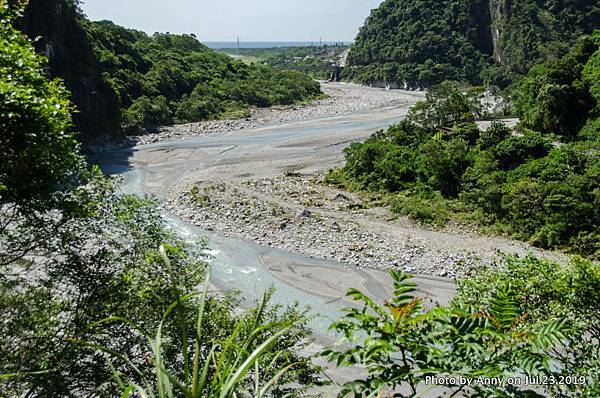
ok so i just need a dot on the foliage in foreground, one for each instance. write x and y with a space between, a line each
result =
38 153
252 356
74 251
506 323
546 290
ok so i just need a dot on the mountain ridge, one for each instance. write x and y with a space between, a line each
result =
416 44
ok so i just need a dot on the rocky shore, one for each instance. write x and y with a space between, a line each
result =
301 215
341 99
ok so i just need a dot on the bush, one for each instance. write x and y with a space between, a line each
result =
517 150
427 208
521 185
494 135
546 290
217 353
442 164
147 113
402 346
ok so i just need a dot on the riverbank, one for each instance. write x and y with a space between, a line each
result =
298 213
341 99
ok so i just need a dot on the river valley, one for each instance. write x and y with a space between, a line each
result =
268 221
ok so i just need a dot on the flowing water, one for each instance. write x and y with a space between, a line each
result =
157 169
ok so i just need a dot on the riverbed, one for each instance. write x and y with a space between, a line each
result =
326 245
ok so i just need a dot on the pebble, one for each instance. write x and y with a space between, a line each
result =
320 231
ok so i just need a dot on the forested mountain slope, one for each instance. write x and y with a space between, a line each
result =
123 80
423 42
167 78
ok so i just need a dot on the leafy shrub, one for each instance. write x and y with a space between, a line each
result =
442 164
427 208
494 135
401 345
546 290
220 354
148 113
517 150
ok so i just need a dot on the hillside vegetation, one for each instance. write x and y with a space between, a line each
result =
123 80
540 184
420 43
167 78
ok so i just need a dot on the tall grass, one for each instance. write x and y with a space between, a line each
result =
211 367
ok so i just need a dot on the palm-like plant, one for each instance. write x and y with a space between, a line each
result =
400 344
208 366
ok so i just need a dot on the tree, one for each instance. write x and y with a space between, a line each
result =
446 104
402 346
494 135
39 157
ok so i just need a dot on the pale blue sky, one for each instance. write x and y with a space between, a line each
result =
252 20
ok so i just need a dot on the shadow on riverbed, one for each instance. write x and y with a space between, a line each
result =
115 162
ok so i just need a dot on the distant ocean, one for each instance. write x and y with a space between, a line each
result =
217 45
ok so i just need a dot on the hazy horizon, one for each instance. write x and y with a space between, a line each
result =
256 21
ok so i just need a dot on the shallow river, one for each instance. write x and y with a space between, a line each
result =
159 169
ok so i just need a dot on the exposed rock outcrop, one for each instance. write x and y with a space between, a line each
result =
56 31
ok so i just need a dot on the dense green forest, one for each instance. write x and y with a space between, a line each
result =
174 78
420 43
123 80
539 184
315 61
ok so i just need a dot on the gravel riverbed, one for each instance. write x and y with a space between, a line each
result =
270 190
342 99
301 215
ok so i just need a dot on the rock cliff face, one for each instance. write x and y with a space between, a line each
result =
55 26
498 14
